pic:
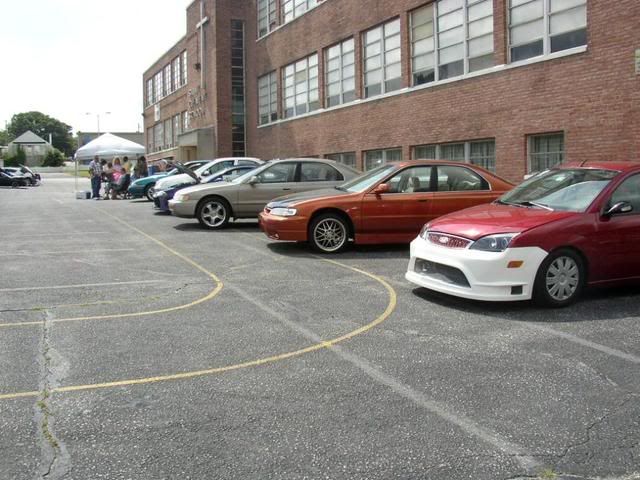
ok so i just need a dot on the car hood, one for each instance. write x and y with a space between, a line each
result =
205 188
295 198
476 222
152 178
171 181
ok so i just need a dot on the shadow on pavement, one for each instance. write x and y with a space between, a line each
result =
354 252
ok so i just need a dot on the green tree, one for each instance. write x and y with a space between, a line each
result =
20 158
43 125
5 138
54 158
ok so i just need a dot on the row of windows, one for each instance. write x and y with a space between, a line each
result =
164 135
544 152
289 9
448 38
169 79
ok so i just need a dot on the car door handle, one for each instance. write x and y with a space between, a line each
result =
423 200
286 189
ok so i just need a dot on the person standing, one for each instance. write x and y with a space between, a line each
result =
95 172
141 169
126 166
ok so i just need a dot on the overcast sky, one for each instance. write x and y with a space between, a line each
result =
65 58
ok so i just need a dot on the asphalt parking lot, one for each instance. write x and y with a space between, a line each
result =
138 346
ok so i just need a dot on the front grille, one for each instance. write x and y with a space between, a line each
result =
448 241
441 272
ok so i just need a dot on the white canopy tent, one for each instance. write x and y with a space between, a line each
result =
108 146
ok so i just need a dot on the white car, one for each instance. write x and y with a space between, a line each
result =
205 171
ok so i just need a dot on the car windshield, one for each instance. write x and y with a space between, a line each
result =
571 190
251 173
367 180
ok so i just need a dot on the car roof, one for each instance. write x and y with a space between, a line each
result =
602 164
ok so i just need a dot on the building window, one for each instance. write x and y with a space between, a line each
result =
541 27
375 158
168 79
150 140
348 158
237 89
382 71
477 152
176 129
454 35
183 68
267 98
185 121
168 133
175 67
340 73
301 87
545 151
294 8
158 137
158 86
150 97
266 16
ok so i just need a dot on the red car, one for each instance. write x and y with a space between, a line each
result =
386 205
575 225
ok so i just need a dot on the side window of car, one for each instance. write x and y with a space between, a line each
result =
459 179
246 162
628 191
411 180
319 172
278 173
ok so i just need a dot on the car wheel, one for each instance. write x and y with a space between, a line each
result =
148 192
560 279
329 233
15 184
213 213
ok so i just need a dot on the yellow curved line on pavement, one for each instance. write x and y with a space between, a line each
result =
209 296
253 363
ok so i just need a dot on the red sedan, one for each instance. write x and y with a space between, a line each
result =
575 225
386 205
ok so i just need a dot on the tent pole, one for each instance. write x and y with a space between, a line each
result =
76 172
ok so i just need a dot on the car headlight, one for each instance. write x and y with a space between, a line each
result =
182 197
494 243
284 212
160 193
425 231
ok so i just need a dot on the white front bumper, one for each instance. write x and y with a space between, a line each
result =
486 272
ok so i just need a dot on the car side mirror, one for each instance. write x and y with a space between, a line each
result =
253 180
382 188
619 208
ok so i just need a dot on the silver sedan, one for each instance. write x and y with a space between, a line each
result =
245 197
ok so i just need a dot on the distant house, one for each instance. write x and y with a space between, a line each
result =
35 148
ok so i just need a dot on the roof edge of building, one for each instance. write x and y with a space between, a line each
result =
158 60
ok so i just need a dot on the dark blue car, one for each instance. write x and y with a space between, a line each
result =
161 197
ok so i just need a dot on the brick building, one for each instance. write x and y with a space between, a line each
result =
513 85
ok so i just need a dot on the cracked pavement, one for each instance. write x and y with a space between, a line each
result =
442 389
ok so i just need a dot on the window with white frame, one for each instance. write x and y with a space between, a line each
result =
476 152
294 8
450 38
183 68
375 158
168 80
150 134
158 136
176 129
347 158
266 16
175 67
382 71
150 97
158 86
545 151
541 27
185 121
300 81
340 73
267 98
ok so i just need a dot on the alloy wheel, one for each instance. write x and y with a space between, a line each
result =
330 235
213 214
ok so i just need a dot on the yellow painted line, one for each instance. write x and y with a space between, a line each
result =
253 363
209 296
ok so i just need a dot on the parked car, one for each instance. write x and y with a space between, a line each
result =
22 170
389 204
161 197
13 181
206 170
143 187
572 226
215 204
